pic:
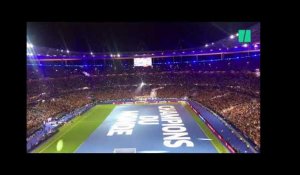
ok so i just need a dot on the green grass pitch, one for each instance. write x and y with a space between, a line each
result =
71 135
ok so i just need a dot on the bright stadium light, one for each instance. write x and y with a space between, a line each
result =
29 45
118 55
68 51
142 84
91 53
255 45
231 36
237 34
245 45
206 45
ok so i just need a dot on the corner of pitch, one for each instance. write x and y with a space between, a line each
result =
174 131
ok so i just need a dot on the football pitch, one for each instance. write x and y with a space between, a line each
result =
143 128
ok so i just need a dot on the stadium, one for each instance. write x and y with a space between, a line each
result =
201 99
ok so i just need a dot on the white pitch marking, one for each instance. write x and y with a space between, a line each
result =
152 151
203 139
124 150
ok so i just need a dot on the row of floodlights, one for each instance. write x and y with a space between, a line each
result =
30 46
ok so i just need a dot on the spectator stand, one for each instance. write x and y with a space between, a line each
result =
230 134
51 127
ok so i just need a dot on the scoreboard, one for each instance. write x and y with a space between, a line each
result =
142 62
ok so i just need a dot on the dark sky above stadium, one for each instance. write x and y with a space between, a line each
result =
133 36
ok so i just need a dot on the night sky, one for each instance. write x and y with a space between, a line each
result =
122 36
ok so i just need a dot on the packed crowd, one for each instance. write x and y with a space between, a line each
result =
232 94
239 109
53 107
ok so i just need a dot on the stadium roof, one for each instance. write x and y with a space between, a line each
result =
227 45
128 37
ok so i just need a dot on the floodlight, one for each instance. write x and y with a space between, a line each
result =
245 45
29 45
